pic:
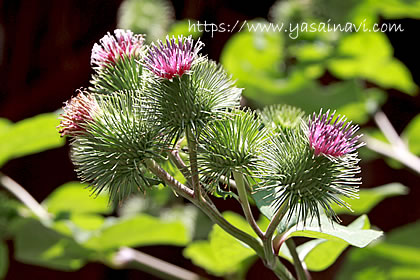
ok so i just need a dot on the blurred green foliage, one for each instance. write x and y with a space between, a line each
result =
396 257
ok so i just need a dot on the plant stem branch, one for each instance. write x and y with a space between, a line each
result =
281 271
166 177
396 148
192 148
179 163
207 207
240 186
128 257
300 271
20 193
401 155
269 252
388 130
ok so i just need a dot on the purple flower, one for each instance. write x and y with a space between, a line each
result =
332 136
111 48
78 111
173 58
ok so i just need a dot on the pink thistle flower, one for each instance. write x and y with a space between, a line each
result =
332 137
111 48
78 111
174 58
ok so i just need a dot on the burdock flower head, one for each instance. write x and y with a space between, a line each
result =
313 167
112 48
78 111
173 58
332 136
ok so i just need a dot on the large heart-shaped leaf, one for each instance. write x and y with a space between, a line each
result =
319 254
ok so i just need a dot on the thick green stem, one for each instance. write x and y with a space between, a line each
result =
300 271
192 149
181 189
208 208
217 218
240 186
270 255
281 271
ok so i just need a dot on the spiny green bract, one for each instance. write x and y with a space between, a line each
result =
233 144
126 74
111 153
203 94
304 181
281 117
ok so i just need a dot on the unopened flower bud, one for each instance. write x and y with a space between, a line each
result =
78 111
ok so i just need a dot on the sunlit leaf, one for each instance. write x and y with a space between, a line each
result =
333 231
29 136
222 254
369 55
319 254
412 135
140 230
75 197
395 9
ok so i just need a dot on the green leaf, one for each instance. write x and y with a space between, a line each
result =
140 230
74 197
412 135
184 27
369 198
29 136
319 254
395 9
370 56
333 231
4 260
38 245
222 254
397 257
256 55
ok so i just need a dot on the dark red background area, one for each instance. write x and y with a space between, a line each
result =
44 57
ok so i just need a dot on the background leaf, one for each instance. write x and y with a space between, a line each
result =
74 197
369 55
4 260
412 135
38 245
369 198
140 230
397 257
222 254
29 136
